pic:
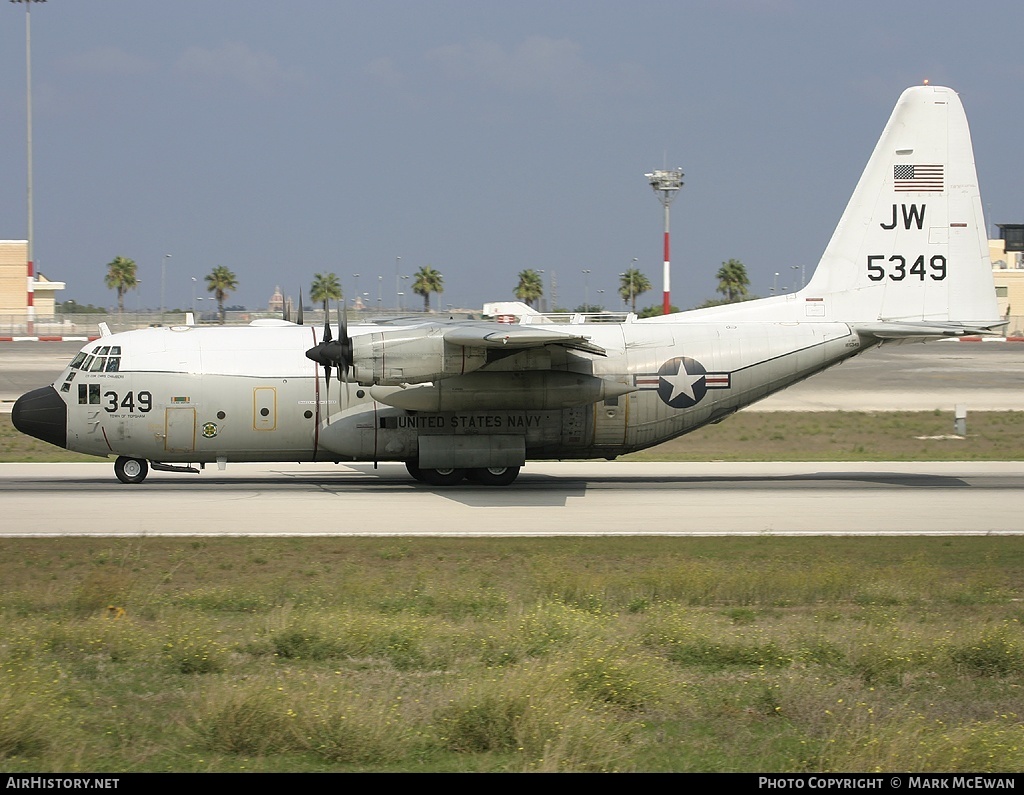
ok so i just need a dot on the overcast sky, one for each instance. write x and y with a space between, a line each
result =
285 138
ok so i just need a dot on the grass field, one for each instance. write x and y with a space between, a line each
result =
633 654
874 654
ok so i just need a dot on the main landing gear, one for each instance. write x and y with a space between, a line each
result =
485 476
131 470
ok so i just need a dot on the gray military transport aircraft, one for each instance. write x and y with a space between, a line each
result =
474 400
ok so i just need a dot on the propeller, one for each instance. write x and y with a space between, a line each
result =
330 352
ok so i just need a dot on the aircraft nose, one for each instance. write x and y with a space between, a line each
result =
42 414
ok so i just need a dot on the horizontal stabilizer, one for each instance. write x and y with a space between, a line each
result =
908 330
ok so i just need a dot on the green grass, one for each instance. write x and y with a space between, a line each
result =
614 654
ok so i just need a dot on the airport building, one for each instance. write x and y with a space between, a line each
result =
14 286
1008 275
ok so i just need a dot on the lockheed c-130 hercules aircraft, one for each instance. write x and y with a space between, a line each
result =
475 399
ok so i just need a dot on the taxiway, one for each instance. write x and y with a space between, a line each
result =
548 499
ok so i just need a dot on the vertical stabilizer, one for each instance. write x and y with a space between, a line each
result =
911 245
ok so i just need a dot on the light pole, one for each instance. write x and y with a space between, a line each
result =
666 186
30 308
398 283
775 284
193 295
356 292
380 287
586 289
163 274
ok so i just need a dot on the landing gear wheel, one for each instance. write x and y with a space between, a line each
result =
131 470
415 471
443 477
493 476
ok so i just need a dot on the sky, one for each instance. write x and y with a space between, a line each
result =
478 137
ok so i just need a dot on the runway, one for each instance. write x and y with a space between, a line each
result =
548 499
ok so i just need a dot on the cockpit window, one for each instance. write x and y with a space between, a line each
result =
99 362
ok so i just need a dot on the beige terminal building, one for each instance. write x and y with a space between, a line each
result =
14 287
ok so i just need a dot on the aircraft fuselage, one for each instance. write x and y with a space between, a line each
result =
201 394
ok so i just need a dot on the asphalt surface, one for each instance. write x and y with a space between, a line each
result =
548 499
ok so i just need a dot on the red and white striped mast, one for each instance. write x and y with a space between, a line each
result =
666 186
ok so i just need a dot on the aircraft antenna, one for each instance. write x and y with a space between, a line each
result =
666 184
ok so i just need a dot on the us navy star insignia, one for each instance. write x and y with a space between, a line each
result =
682 382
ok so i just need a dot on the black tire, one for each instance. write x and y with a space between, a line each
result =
131 470
443 477
493 476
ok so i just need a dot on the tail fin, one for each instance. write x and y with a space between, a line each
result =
911 246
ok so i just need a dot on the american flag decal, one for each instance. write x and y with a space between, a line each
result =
918 178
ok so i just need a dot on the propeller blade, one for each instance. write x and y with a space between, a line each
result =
345 344
327 392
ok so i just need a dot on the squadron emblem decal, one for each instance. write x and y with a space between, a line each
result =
682 382
209 429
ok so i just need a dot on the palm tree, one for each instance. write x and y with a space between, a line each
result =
121 276
631 284
733 281
326 287
530 287
427 281
221 281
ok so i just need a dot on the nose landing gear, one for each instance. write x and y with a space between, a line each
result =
131 470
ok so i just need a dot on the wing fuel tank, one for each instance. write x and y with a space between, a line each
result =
531 390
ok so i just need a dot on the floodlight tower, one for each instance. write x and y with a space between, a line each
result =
666 186
30 262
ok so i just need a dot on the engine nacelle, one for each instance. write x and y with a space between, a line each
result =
530 390
410 356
